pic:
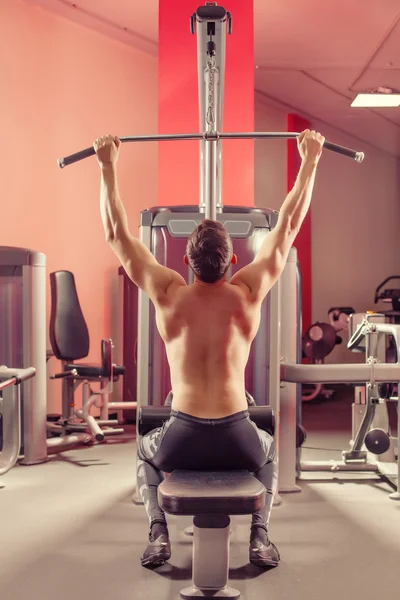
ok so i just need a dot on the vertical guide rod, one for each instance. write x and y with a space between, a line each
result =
211 50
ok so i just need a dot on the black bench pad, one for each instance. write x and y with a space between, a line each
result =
211 493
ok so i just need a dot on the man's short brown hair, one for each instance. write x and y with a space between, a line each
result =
209 251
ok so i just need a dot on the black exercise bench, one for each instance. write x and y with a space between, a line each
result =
211 497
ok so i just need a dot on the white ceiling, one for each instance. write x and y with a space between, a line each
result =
312 57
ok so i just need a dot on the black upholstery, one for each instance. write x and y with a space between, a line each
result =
94 371
211 493
69 335
152 417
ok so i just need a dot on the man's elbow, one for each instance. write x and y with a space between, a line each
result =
294 229
286 226
115 235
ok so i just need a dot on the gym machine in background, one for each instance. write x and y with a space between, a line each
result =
372 448
370 415
23 340
70 341
319 341
389 296
10 413
23 344
126 340
321 338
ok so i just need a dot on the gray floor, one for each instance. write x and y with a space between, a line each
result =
70 531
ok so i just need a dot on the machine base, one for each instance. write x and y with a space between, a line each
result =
295 489
390 472
39 461
386 470
193 592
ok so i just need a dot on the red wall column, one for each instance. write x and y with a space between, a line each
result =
303 240
179 162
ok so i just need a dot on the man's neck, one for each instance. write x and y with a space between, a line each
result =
211 285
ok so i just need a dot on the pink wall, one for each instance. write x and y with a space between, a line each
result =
270 157
62 86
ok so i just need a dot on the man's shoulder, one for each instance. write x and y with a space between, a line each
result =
168 295
240 288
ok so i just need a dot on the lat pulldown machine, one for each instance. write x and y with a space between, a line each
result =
211 497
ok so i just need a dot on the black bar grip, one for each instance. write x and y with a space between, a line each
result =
357 156
71 373
263 417
152 417
348 152
73 158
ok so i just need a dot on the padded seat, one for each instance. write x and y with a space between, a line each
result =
95 371
211 493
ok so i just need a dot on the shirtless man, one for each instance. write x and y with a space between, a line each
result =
208 328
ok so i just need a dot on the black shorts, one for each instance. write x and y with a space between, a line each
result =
187 442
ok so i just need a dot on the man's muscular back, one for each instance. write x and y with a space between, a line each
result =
208 331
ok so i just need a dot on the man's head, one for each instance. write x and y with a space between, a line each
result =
209 252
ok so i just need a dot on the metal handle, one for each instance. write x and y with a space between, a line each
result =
12 414
211 137
6 384
11 429
17 375
358 335
340 373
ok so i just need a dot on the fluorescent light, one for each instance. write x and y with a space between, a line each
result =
376 100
